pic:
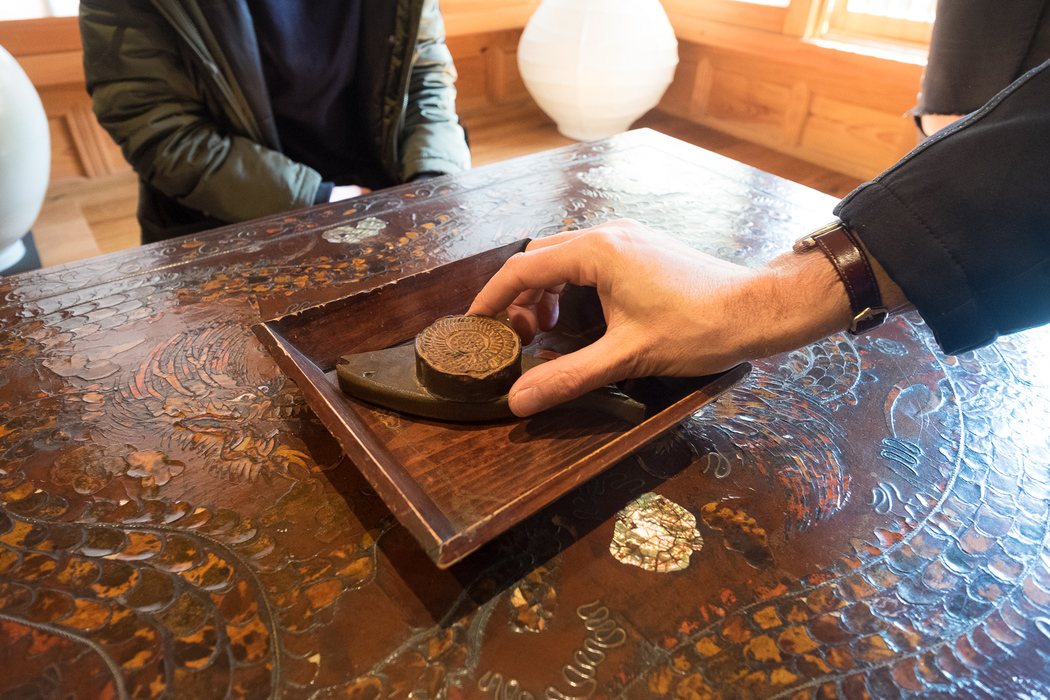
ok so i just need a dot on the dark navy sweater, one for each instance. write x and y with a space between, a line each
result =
309 57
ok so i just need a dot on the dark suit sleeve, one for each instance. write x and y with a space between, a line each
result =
962 223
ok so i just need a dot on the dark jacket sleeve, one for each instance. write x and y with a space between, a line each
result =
157 107
978 47
962 223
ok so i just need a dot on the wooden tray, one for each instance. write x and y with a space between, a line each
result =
456 486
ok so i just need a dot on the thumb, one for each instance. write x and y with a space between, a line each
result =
569 376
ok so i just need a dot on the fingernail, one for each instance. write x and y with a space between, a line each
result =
525 402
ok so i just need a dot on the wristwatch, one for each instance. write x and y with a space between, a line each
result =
851 264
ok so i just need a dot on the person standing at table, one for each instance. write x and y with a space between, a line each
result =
958 229
978 47
229 111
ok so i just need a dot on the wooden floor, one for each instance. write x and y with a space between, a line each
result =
86 217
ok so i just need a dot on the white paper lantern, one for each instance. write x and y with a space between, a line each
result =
25 158
595 66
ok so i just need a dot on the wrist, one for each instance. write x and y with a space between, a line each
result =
799 299
324 192
425 175
853 266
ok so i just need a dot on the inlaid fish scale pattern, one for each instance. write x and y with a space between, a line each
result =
866 517
776 409
164 597
161 593
954 582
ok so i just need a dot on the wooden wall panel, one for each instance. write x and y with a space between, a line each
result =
470 87
464 17
839 130
488 67
65 162
781 97
788 50
797 114
49 52
469 53
748 99
691 84
58 68
765 17
80 140
869 86
29 37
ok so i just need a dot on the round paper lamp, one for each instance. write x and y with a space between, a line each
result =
25 158
595 66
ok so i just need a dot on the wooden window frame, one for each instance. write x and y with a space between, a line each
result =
837 23
821 21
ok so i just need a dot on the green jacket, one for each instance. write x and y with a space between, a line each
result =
179 86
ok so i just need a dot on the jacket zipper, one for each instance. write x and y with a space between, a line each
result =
406 81
400 128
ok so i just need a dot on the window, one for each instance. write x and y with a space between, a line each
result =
895 29
772 3
906 23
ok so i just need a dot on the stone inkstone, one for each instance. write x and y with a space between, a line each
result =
468 358
460 369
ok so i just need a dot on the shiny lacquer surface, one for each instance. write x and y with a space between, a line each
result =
864 517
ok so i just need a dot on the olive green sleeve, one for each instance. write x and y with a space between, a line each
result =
433 139
163 109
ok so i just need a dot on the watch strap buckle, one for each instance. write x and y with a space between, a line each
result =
867 319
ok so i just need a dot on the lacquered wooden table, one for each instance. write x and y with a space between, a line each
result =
864 517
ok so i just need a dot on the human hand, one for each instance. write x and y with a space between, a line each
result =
670 310
341 192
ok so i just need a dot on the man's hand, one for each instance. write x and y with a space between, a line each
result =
670 310
341 192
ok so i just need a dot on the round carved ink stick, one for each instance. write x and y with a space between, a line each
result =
468 358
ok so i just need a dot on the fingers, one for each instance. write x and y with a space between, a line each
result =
524 323
548 264
569 376
547 308
555 239
544 266
547 268
341 192
534 310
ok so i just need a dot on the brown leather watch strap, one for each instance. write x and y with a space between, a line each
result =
851 263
